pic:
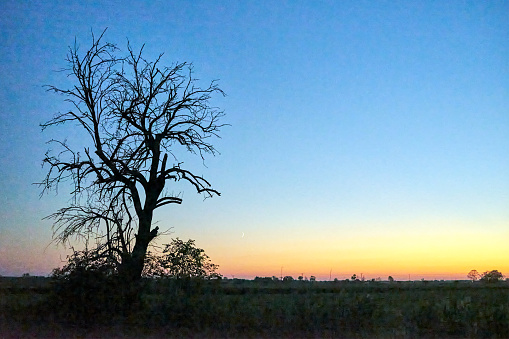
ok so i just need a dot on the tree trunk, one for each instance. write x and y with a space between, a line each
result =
131 268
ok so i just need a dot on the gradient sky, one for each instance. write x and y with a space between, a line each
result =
366 136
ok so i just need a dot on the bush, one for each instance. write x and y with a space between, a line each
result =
87 290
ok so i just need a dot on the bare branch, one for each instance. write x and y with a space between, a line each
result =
135 112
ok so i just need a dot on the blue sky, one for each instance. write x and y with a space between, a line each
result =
357 127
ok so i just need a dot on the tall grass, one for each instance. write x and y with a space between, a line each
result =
293 309
346 310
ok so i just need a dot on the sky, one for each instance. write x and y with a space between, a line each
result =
365 137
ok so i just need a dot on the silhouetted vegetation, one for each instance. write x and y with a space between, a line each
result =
180 260
89 289
137 115
290 308
492 276
473 275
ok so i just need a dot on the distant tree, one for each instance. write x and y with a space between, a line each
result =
492 276
26 275
300 278
288 278
473 275
312 278
354 277
391 279
136 114
181 260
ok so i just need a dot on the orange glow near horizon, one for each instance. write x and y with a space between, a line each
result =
437 253
445 255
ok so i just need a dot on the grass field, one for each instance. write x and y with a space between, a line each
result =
241 308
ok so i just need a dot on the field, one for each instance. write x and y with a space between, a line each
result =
267 309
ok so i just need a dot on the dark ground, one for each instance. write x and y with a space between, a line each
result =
31 307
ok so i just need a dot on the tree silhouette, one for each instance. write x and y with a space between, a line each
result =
136 114
492 276
473 275
288 278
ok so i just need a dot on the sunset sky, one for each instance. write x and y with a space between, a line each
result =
366 136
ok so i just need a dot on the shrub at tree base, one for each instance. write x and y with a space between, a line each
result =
88 291
181 260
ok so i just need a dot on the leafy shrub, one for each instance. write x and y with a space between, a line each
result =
87 290
180 260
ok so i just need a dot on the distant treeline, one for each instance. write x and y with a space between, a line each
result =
262 284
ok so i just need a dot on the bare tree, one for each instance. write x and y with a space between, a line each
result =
473 275
136 113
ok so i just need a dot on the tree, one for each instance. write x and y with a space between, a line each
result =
136 114
391 279
492 276
181 260
288 278
473 275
